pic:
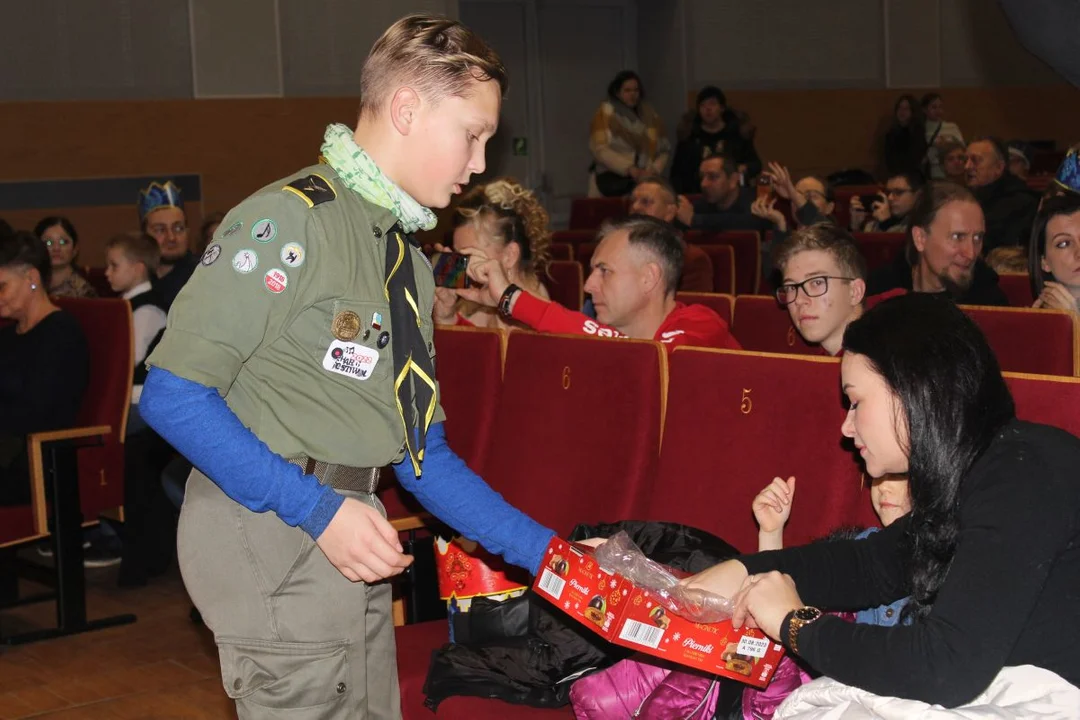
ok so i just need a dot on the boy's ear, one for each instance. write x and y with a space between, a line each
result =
403 108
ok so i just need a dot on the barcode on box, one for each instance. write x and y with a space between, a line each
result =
642 634
753 647
552 584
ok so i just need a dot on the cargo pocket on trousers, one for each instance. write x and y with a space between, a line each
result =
292 680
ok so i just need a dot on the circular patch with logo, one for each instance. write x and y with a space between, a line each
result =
245 261
276 280
292 255
346 325
211 254
264 230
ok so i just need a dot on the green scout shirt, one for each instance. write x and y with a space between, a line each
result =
256 321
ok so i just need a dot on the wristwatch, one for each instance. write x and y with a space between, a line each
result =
800 619
507 300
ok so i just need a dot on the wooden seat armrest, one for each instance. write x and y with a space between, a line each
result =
34 442
410 522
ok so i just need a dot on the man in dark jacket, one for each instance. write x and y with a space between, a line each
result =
1005 199
724 204
715 129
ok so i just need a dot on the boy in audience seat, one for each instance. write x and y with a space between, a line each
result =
824 283
635 272
131 261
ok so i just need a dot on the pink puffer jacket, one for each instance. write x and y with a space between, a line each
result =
637 688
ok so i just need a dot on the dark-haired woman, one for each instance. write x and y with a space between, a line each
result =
626 139
62 240
905 140
44 360
1054 261
990 553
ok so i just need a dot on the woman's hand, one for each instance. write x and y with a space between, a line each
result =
772 506
781 181
858 214
1055 296
488 274
445 310
764 601
766 208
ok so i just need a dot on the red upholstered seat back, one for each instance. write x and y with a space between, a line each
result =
590 213
107 326
573 237
723 262
1047 399
577 430
565 282
16 523
583 253
562 251
468 366
746 245
763 325
719 302
1017 287
880 249
1030 340
734 421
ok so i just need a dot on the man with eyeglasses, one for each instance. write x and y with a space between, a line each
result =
161 212
890 212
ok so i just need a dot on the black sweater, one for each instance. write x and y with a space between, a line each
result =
43 375
1011 597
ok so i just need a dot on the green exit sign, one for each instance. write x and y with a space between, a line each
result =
521 146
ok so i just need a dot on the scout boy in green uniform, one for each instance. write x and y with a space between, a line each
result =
298 360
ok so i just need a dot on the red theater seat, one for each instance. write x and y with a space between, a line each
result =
746 245
763 325
583 253
562 251
1029 340
719 302
1017 287
1047 399
590 213
565 282
880 249
17 525
723 265
555 451
737 419
573 237
468 366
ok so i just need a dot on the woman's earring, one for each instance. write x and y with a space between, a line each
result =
33 286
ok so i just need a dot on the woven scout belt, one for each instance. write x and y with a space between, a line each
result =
340 477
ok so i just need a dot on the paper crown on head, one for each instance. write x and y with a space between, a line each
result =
159 195
1068 174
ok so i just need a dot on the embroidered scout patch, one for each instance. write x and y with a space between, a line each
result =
264 231
350 359
293 255
233 229
211 254
346 325
245 261
276 280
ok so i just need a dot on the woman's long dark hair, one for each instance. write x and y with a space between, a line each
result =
947 380
1066 204
916 112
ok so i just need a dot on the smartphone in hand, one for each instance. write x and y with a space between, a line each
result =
450 270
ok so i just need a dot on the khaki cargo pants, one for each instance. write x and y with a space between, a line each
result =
297 641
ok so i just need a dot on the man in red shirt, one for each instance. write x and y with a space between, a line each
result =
635 272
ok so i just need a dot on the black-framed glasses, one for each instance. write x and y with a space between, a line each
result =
811 287
62 242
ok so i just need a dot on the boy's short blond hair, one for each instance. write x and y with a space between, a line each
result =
828 237
137 247
436 56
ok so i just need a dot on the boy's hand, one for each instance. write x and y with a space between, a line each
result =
772 506
362 545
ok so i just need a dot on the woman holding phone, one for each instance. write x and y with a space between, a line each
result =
501 221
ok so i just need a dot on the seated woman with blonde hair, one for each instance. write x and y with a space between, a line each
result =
502 221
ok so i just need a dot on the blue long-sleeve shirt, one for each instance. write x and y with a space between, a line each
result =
197 421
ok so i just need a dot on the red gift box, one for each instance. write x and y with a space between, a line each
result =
611 606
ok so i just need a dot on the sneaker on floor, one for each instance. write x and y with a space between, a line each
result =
46 550
96 557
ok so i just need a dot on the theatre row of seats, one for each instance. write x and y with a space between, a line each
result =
579 429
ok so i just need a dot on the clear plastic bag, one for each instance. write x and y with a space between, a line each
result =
620 555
